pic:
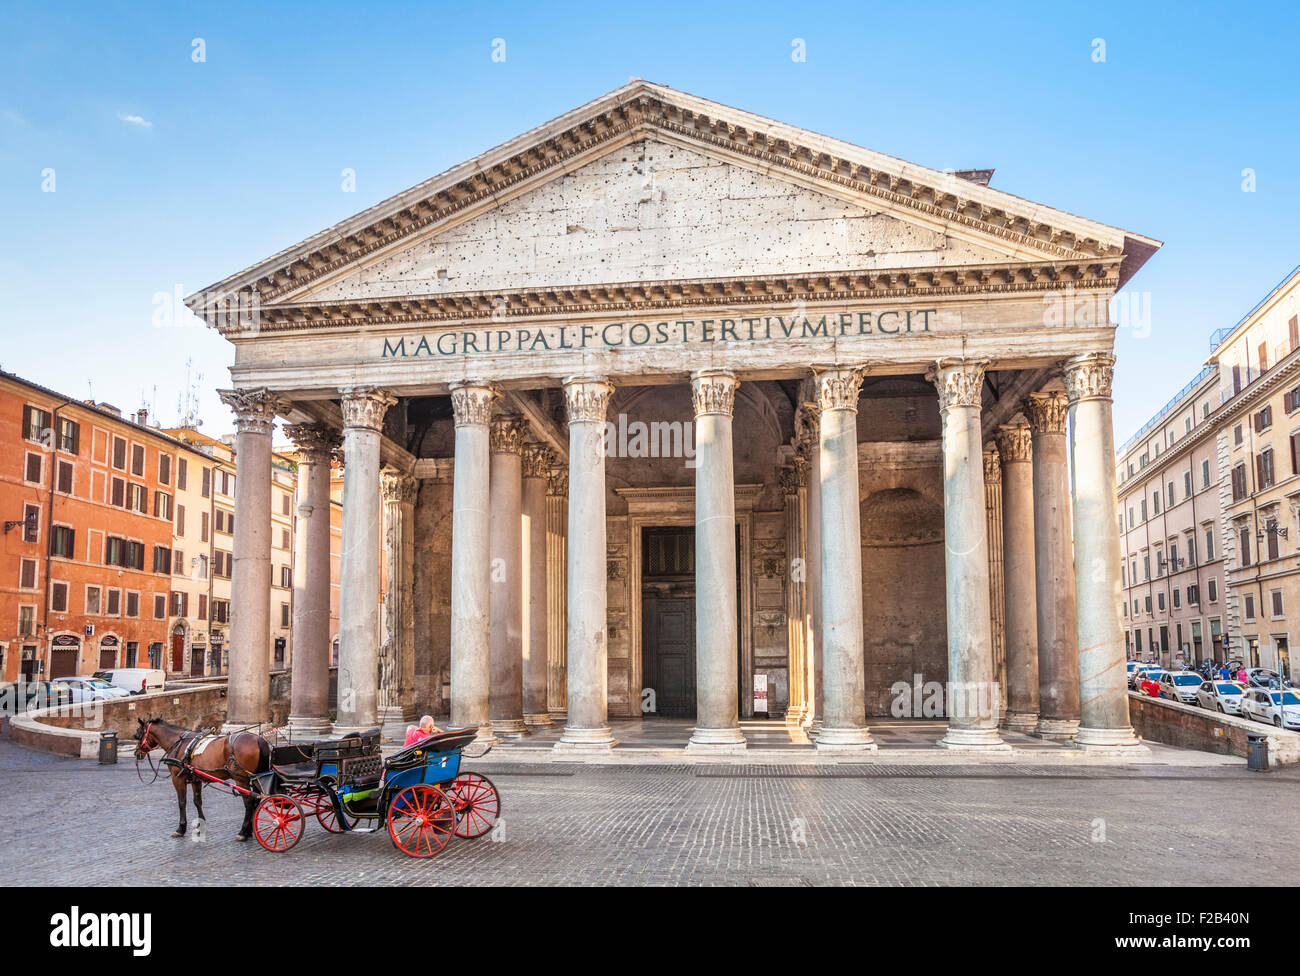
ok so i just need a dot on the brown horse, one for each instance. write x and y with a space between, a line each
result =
233 756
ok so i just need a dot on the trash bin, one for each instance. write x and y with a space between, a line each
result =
1257 751
107 748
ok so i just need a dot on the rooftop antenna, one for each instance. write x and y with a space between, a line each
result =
188 402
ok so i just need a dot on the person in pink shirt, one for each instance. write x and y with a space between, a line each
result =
426 728
1241 676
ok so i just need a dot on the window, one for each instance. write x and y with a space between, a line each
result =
1236 436
118 495
162 559
114 551
207 482
284 539
119 453
159 606
1263 357
178 562
1291 401
62 541
1144 510
1187 485
31 523
1275 599
1263 419
36 424
1177 596
182 473
225 521
1209 543
137 499
26 621
1191 550
203 567
1146 566
27 574
284 615
59 597
221 564
1264 469
92 600
203 527
284 504
180 604
1155 503
1205 473
180 519
132 604
32 469
1131 521
203 606
1249 612
1160 601
1213 588
1244 537
162 504
164 469
1147 602
135 555
112 602
220 611
1293 331
1193 595
137 460
1170 491
286 577
65 477
1239 482
69 437
1270 538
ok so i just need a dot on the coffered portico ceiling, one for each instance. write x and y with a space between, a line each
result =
648 204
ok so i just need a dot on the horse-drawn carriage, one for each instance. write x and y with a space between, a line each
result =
420 793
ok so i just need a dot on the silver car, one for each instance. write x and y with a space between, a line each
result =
1221 696
1281 709
1180 686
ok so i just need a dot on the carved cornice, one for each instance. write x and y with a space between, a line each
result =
365 406
960 382
644 111
992 466
585 399
1046 412
538 459
1014 443
638 297
713 391
397 487
506 433
1089 377
471 402
316 443
557 482
837 387
255 410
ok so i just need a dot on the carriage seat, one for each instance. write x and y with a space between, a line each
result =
296 772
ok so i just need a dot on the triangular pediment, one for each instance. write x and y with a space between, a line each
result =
650 184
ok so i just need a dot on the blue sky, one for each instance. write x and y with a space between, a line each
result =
171 174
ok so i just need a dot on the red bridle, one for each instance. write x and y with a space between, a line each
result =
143 749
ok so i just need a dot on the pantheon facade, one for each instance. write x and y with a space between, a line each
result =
664 408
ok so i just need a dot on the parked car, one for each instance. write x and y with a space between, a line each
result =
1153 675
1180 686
1279 708
91 689
135 680
1263 678
1137 675
17 697
1221 696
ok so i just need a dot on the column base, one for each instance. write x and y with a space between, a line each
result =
307 726
973 740
258 727
541 720
1025 722
717 741
509 728
1109 741
832 740
585 740
1056 729
794 717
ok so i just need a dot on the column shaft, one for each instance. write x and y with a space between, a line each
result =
1021 599
997 582
791 490
814 706
506 593
557 589
537 463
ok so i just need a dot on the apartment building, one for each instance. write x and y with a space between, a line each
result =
1258 443
1168 482
86 561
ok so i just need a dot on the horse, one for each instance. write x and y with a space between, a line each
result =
234 756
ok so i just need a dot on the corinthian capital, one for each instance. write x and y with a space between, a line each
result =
538 459
315 442
960 382
255 409
396 486
365 406
713 391
506 433
471 402
838 386
992 466
557 483
1046 412
1089 377
1014 443
585 399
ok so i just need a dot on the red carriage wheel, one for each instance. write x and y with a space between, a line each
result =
328 819
478 805
278 823
420 820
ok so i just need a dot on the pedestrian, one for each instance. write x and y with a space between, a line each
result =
425 729
1241 675
1150 688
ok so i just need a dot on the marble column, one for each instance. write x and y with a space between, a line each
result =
310 680
557 589
808 421
972 692
1103 694
1021 599
249 688
587 725
397 653
792 478
537 465
843 679
506 592
717 723
993 523
471 402
1058 657
358 695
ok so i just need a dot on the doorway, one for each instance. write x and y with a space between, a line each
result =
668 621
178 652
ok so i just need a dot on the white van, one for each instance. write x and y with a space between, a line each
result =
135 680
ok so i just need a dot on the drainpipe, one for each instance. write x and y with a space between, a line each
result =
49 532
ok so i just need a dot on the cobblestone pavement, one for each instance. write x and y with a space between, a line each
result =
71 822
